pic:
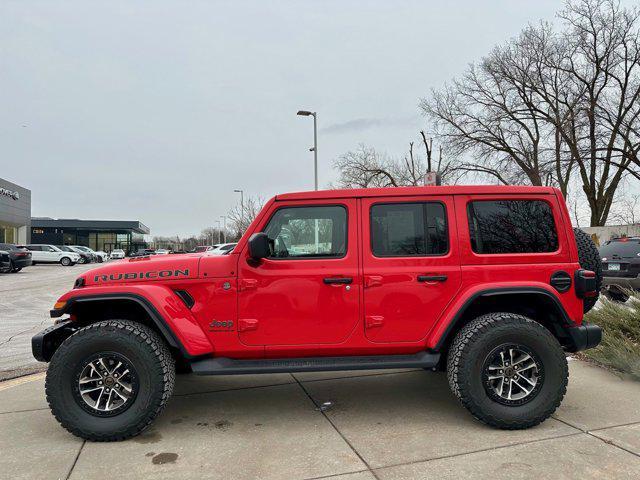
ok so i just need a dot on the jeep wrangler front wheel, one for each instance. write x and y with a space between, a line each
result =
110 380
507 370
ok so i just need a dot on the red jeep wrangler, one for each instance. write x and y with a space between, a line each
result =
487 283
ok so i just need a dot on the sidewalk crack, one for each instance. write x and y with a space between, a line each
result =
324 414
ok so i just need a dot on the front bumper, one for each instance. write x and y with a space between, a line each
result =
45 343
584 336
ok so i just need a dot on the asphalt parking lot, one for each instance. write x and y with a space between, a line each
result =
25 300
385 425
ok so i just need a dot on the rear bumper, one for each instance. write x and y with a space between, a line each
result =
21 262
626 282
584 336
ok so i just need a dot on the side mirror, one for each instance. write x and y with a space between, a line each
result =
259 246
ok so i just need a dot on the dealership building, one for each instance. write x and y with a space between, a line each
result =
105 235
19 227
15 213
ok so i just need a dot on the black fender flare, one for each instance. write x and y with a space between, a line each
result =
149 308
565 322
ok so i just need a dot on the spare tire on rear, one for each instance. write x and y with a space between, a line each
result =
589 259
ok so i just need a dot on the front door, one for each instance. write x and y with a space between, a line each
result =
411 265
307 291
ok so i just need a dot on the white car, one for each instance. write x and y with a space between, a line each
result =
41 253
222 249
162 251
116 254
101 256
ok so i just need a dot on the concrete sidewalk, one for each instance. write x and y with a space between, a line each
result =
386 425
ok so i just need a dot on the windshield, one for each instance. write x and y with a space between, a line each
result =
621 249
55 249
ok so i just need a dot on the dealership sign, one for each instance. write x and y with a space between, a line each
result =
9 193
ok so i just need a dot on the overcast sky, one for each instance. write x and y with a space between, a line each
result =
157 110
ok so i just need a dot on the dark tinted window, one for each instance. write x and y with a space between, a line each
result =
512 226
407 229
35 248
298 232
621 248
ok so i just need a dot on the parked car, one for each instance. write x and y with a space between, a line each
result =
99 256
5 262
488 283
20 256
205 248
142 252
620 267
162 251
222 249
85 257
116 254
42 253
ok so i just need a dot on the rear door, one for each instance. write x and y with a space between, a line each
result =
410 263
36 253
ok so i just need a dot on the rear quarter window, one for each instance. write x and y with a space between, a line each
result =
511 226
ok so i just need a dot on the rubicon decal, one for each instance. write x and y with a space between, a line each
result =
114 277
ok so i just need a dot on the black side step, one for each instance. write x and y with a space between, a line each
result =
230 366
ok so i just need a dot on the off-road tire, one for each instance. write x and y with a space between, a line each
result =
66 262
149 355
589 259
471 347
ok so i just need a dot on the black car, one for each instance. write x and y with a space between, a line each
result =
84 256
5 261
19 256
620 266
142 252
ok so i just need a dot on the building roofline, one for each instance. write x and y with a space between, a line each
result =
133 225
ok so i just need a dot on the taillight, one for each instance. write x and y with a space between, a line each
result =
585 281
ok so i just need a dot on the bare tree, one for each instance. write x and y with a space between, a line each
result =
367 168
240 216
548 105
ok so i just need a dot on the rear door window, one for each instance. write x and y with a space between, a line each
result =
408 229
511 226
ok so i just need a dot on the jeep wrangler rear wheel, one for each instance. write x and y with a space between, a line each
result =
110 380
507 370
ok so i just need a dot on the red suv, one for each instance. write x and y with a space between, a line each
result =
487 283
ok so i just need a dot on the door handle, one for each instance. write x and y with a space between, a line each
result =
432 278
338 280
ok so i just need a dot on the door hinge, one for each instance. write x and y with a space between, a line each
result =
372 281
248 284
246 324
372 321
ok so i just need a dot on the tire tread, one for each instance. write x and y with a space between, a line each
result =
459 357
148 339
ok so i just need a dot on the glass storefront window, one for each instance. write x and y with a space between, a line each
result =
8 233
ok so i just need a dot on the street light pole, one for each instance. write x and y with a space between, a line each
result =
219 232
314 149
241 192
224 227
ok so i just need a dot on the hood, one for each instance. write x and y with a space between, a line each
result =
145 269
